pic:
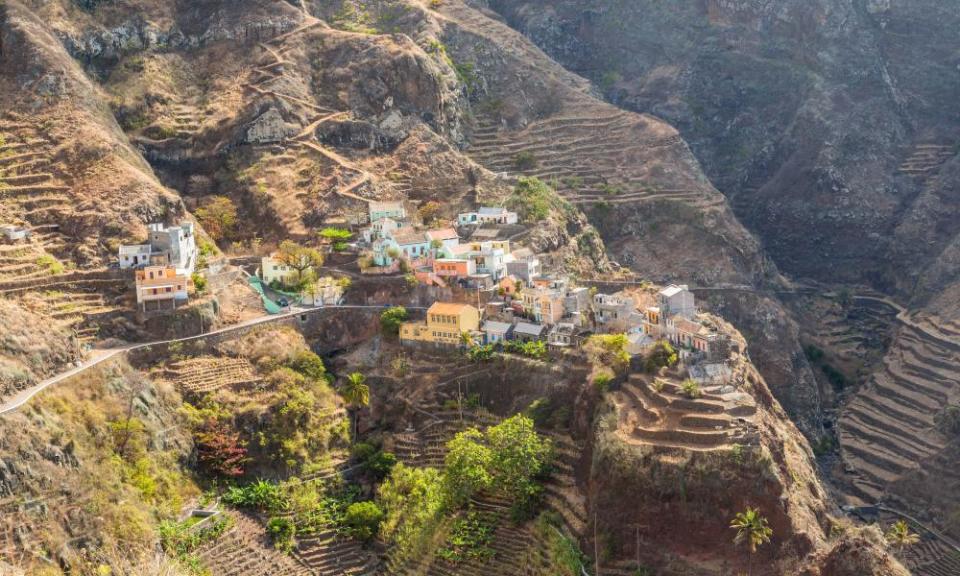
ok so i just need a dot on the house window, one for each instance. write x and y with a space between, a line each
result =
169 289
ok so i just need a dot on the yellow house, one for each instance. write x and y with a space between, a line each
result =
445 324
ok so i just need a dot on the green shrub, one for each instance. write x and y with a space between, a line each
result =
602 381
525 160
533 199
661 355
199 282
392 318
690 388
362 520
309 365
480 353
469 539
261 495
282 531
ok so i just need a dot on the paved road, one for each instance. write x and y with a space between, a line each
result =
24 396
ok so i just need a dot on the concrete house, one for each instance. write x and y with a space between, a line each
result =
382 228
14 233
677 300
447 237
179 242
272 271
134 255
389 209
161 287
524 265
487 215
528 332
445 325
454 267
496 332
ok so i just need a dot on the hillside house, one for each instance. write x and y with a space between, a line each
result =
274 272
545 305
14 233
564 335
509 285
326 291
178 243
446 323
454 267
615 312
524 265
496 332
487 215
382 228
677 300
529 332
393 210
135 255
446 237
161 287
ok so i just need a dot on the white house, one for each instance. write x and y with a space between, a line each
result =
487 215
447 237
382 228
134 255
177 241
272 270
388 209
677 300
496 332
14 233
524 265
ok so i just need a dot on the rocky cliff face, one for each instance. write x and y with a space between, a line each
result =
828 124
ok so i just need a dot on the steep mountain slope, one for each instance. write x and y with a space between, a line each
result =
830 124
831 127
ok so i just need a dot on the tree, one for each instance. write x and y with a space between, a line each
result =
608 350
309 364
335 235
429 211
218 216
220 450
519 456
357 395
466 339
753 530
467 466
900 536
363 519
663 354
392 318
300 258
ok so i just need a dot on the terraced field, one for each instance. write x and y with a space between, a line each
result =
246 549
564 151
514 545
888 428
657 413
210 373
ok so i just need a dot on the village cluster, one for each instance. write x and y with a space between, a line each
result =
516 298
502 294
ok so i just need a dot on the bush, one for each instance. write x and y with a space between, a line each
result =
480 353
525 160
261 495
309 365
691 388
533 199
662 355
469 539
362 520
282 531
392 318
199 282
602 381
335 235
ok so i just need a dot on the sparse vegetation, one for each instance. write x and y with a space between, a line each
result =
752 531
469 539
218 216
900 536
534 200
690 388
661 355
392 318
525 160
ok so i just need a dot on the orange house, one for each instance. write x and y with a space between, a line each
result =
454 267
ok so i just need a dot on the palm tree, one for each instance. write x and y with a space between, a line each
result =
357 394
751 528
899 536
466 339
